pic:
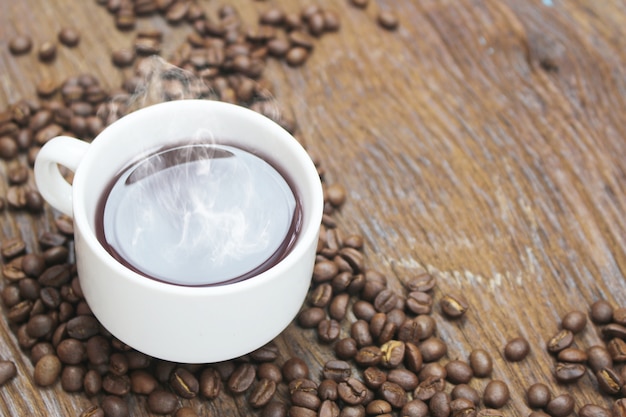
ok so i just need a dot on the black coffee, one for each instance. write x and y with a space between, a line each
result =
199 214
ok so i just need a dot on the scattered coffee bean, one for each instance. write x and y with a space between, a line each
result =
566 373
359 3
561 340
69 36
295 368
114 406
481 363
47 370
538 395
574 321
453 305
561 405
459 372
8 371
388 20
162 402
601 312
20 44
592 410
47 51
516 349
496 394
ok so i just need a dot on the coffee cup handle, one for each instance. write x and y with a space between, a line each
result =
61 150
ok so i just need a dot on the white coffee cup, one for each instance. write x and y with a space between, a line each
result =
172 322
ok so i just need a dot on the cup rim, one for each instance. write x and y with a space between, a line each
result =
306 236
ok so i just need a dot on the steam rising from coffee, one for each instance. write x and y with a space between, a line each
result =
199 212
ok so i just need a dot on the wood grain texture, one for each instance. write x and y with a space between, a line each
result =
483 140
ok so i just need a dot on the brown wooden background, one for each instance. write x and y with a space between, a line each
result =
461 153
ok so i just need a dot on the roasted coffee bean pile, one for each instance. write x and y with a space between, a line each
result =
388 357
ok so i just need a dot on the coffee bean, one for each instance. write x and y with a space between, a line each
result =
387 20
378 407
114 406
619 408
538 395
306 399
560 406
185 384
404 378
458 372
295 368
321 295
609 381
439 404
561 340
336 370
496 394
433 349
296 56
481 363
598 358
71 351
210 383
434 369
262 393
614 330
20 44
69 36
116 384
327 390
143 382
413 359
601 312
352 391
466 392
373 377
47 51
162 402
72 378
82 327
419 302
565 372
392 353
617 349
572 354
324 271
428 387
339 306
346 348
185 412
462 407
453 305
92 383
415 408
8 371
360 3
20 311
574 321
47 370
385 301
274 409
33 264
296 411
12 247
29 290
311 317
93 411
39 325
393 393
368 356
592 410
328 330
516 349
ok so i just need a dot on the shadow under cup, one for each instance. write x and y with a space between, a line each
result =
185 323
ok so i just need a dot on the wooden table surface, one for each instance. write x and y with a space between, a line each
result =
484 140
